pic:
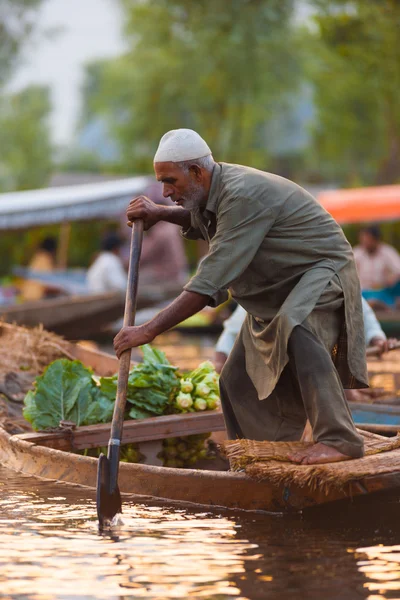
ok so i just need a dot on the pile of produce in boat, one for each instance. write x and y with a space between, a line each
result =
155 387
185 451
128 453
69 391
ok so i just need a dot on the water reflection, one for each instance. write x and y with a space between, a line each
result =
381 566
50 547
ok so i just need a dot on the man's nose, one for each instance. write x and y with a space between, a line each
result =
167 191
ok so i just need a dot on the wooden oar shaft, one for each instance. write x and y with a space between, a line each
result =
125 359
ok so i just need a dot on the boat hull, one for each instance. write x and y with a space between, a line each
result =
210 488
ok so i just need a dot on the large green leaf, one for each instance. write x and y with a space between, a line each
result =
66 391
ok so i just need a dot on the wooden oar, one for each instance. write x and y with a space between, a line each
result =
108 494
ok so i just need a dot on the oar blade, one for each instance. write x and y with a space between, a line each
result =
108 503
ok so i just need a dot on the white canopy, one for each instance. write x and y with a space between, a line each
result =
20 210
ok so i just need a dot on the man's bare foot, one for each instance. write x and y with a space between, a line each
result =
317 454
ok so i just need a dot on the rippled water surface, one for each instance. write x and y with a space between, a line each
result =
50 547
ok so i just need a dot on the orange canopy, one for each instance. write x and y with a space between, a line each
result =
360 205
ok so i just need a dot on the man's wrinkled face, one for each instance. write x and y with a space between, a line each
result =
185 188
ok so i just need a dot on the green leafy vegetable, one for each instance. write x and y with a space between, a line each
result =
66 391
152 385
199 390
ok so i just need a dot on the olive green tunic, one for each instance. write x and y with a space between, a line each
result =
283 257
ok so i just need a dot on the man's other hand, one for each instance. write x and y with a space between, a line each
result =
145 209
383 345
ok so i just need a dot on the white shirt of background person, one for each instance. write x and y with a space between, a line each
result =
106 274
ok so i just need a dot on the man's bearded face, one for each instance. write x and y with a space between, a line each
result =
180 185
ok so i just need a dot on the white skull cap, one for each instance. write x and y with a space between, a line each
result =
179 145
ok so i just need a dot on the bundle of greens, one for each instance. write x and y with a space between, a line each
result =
199 390
66 391
152 385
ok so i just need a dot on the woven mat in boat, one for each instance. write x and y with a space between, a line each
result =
269 461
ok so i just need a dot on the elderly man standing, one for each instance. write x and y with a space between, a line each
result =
288 263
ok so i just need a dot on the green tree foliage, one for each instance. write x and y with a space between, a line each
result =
213 66
25 161
17 20
25 158
356 73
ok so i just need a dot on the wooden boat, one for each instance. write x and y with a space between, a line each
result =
78 317
379 418
42 455
381 414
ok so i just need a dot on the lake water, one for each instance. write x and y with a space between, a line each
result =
50 547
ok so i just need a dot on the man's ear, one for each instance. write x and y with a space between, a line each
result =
196 172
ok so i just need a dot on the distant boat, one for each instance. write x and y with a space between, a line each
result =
80 316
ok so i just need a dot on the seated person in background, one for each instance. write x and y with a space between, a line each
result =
374 335
163 258
44 259
107 273
378 267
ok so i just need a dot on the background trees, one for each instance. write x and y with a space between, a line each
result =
26 152
196 64
355 73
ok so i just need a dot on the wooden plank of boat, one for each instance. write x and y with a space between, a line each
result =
386 430
143 430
